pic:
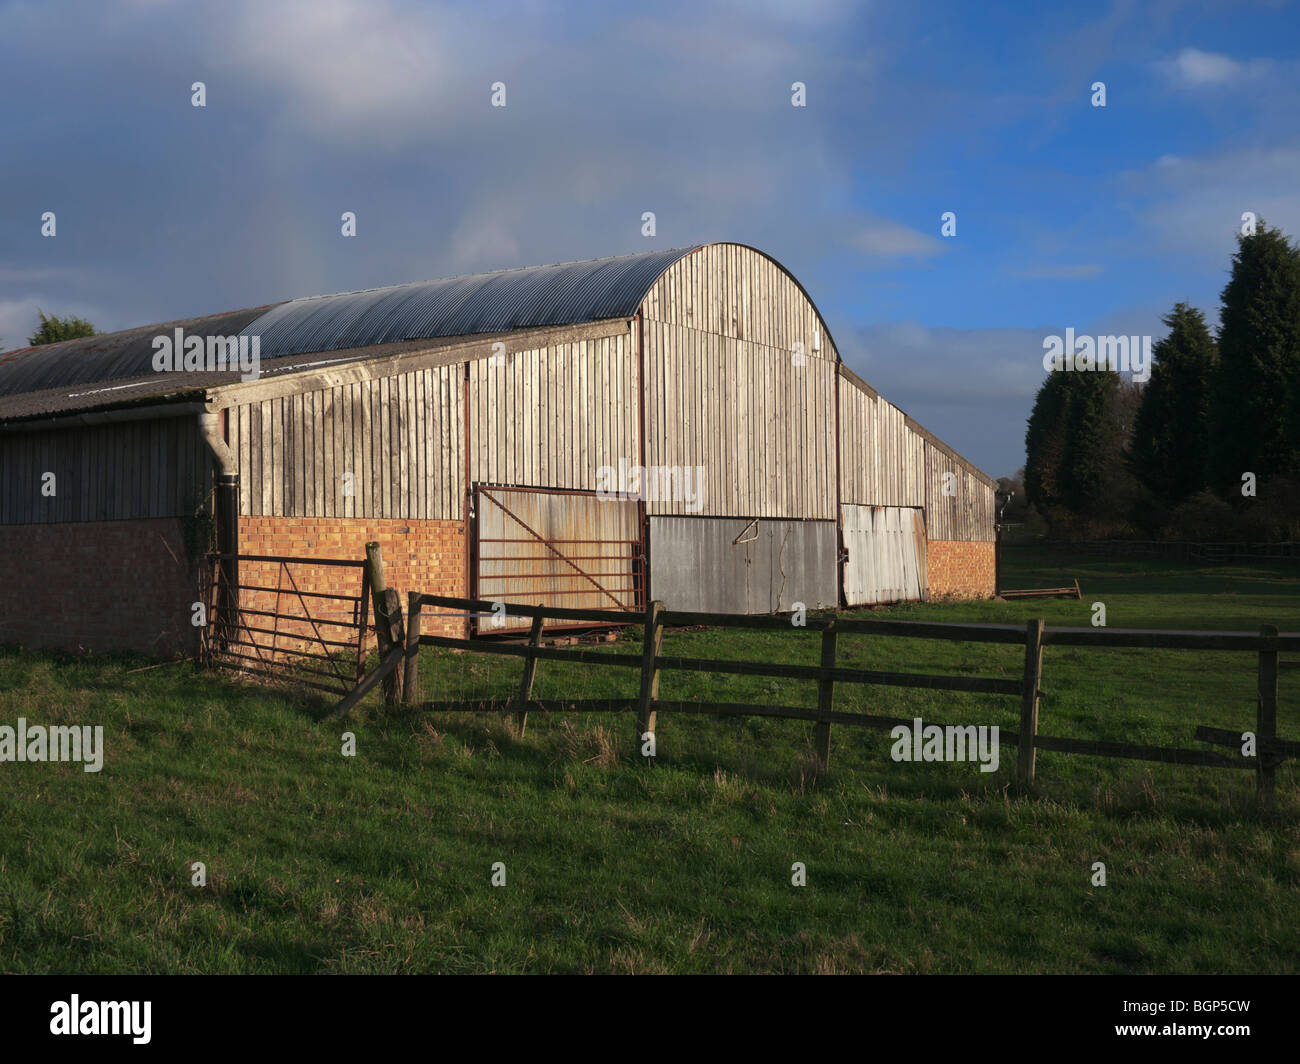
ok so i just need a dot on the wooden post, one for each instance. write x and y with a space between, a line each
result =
1266 720
411 666
1029 697
388 619
654 636
530 671
825 696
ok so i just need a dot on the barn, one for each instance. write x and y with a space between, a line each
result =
674 425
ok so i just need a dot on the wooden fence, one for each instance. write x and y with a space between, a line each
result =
1210 553
401 647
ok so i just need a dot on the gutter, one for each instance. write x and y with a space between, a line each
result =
104 417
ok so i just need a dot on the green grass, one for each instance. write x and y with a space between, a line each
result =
382 862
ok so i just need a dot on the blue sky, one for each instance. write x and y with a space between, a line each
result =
1068 215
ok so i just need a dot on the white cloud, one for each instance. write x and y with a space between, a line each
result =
884 238
1193 69
1193 206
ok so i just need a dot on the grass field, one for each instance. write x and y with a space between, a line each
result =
382 862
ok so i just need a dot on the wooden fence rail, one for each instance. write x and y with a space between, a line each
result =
1035 636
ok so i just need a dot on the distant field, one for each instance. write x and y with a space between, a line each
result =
382 862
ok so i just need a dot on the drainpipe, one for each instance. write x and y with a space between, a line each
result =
226 512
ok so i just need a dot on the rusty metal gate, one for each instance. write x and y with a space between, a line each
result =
536 546
884 554
287 619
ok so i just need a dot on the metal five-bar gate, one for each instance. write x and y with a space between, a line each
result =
557 548
286 618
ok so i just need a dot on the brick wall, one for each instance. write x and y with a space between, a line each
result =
98 585
426 556
960 569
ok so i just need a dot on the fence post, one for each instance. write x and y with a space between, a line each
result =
1266 719
411 666
530 671
388 619
825 697
646 717
1029 697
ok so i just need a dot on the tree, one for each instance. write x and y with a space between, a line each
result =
1046 445
1074 473
1257 394
1170 451
53 329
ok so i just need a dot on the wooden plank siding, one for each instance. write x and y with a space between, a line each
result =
887 459
293 451
551 416
723 390
116 472
965 515
882 462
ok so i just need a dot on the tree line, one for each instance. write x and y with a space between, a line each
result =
1209 447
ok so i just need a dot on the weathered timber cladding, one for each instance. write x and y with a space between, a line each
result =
887 459
740 380
136 469
965 515
551 416
882 461
400 438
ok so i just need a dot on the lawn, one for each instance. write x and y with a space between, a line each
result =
382 862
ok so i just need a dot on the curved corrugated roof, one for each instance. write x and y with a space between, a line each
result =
108 357
567 293
564 294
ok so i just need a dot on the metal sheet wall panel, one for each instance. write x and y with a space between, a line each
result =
695 564
556 549
886 555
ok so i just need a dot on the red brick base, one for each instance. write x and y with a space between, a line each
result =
961 569
98 585
427 556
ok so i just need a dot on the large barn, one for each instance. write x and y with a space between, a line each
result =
675 425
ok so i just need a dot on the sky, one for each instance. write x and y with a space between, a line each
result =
1068 215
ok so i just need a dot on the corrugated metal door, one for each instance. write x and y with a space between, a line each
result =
885 548
734 565
553 548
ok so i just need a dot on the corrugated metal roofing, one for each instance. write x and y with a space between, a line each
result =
78 365
98 371
526 298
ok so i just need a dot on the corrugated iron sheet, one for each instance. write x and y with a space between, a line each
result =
117 368
696 563
886 559
565 294
118 356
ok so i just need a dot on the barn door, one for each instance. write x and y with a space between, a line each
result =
885 554
554 548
